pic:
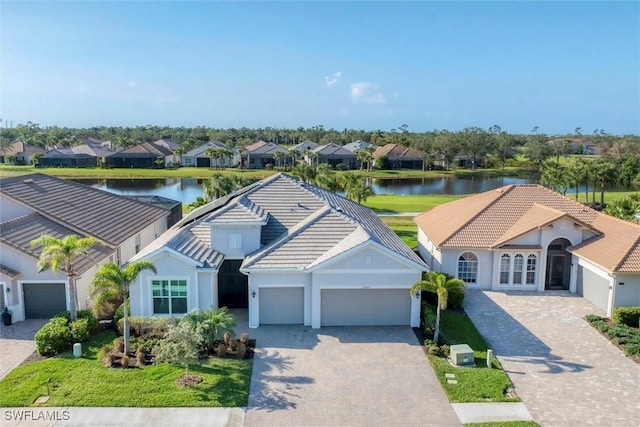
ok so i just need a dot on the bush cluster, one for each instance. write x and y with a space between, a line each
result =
429 320
54 337
626 337
92 320
148 326
436 350
629 316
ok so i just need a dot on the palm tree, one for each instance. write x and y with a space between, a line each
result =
356 187
58 254
112 281
278 156
439 284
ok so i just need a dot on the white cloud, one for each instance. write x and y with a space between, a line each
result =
331 80
367 93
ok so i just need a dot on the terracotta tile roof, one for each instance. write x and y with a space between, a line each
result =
20 147
494 218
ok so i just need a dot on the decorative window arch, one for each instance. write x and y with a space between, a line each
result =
505 267
532 262
468 268
518 269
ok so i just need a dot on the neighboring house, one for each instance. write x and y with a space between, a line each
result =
333 155
37 204
261 153
304 146
291 253
527 237
400 157
77 156
160 153
357 146
198 157
19 153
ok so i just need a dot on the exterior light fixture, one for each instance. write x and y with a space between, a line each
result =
253 293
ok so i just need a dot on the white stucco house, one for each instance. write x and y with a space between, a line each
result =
291 253
198 156
528 237
37 204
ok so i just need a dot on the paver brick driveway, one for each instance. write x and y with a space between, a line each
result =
16 344
565 371
349 376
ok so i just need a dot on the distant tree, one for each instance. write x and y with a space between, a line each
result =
356 187
447 145
220 185
602 173
277 157
58 255
537 148
554 176
625 208
503 145
305 172
475 142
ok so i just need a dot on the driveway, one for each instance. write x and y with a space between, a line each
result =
563 369
16 344
348 376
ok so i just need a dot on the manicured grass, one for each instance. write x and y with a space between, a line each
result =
413 203
479 384
404 227
505 424
85 382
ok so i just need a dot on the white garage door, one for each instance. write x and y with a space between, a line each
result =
281 306
593 287
365 307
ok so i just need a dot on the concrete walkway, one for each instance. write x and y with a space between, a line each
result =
349 376
16 344
566 372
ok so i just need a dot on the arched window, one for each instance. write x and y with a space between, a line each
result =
531 269
468 268
518 267
505 266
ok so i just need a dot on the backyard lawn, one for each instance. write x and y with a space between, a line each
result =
85 382
404 227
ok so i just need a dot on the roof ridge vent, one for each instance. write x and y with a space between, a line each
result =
28 181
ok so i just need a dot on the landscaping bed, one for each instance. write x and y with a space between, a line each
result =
625 337
86 382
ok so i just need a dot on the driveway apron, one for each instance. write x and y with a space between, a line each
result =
16 344
348 376
564 370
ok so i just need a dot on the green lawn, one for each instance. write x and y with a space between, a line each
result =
479 384
85 382
505 424
404 227
400 203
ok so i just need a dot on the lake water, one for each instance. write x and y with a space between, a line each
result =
187 190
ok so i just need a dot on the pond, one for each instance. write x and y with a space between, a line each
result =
187 190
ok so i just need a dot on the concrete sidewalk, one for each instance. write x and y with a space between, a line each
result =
116 417
491 412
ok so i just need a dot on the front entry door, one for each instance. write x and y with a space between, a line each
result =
557 269
233 287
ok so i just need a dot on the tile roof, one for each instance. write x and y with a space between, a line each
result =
395 151
204 147
265 148
83 150
158 148
8 271
306 225
304 146
19 232
89 211
20 147
357 145
333 149
495 217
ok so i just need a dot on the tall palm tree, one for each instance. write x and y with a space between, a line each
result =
112 281
439 284
58 254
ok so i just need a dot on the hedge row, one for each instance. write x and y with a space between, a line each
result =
57 335
629 316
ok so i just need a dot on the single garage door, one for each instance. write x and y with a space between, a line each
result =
365 307
281 306
43 300
593 287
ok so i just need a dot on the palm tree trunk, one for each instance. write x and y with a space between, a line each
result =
436 333
127 332
73 297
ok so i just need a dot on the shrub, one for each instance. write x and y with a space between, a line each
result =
54 337
244 338
180 346
268 167
118 344
221 350
213 323
340 167
80 330
632 349
242 351
629 316
147 326
592 318
92 320
125 361
456 297
429 319
119 313
65 314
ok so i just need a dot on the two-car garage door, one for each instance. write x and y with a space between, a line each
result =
365 307
43 300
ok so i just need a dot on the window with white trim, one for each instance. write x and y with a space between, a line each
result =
169 296
531 269
505 267
235 241
518 266
468 268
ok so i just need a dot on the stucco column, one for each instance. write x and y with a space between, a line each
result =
573 279
254 305
415 311
316 306
612 296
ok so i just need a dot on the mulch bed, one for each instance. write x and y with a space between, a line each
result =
188 380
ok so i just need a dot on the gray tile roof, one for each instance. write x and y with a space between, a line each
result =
357 145
89 211
199 151
306 226
264 148
304 146
333 149
18 234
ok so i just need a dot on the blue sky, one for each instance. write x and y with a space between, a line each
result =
365 65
